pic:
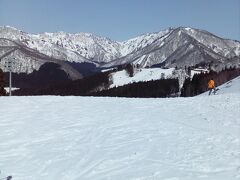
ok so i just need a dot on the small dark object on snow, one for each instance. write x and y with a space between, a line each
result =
6 178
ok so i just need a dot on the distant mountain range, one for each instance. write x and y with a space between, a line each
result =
182 46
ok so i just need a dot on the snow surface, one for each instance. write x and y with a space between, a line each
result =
85 138
232 86
198 71
121 78
13 89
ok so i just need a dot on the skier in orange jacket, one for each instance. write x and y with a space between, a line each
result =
211 86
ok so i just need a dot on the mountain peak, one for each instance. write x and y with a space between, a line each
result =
164 48
9 27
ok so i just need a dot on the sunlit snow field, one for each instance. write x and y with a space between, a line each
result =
89 138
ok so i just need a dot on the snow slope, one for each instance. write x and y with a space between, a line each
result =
232 86
86 138
121 78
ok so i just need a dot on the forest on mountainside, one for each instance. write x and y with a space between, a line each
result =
57 83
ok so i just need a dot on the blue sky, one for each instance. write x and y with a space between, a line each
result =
122 19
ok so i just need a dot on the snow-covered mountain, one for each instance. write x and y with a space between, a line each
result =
65 138
169 48
25 59
79 47
184 47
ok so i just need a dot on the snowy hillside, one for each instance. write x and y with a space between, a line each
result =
232 86
85 138
140 42
121 78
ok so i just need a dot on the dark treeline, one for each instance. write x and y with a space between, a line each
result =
48 73
2 83
79 87
94 85
156 88
97 84
199 82
86 69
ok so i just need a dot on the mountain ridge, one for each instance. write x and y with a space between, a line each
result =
182 46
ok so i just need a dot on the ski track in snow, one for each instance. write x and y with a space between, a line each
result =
85 138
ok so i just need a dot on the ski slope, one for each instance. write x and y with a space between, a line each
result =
121 78
88 138
232 86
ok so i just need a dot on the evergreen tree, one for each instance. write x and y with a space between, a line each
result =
2 82
130 70
187 88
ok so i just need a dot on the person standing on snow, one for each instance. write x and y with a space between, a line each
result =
211 86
